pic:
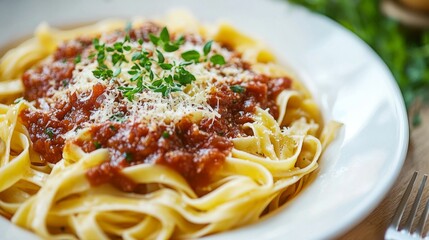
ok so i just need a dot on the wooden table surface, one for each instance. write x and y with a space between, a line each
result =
375 225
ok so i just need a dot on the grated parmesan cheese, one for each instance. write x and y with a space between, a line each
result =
149 107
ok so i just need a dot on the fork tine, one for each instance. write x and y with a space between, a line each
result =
423 218
416 203
400 210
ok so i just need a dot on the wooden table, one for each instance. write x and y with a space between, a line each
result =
375 225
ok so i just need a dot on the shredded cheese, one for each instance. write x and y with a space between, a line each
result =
149 107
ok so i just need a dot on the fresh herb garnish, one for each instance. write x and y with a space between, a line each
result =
50 132
207 47
128 156
113 128
237 88
103 72
166 66
77 59
173 77
165 134
118 117
65 83
161 58
97 145
191 55
183 76
217 59
165 42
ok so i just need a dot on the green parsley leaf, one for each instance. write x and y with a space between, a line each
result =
132 72
157 83
191 55
113 128
136 77
162 89
217 59
128 157
118 117
168 47
127 48
161 58
237 88
77 59
118 46
116 58
137 56
183 76
50 132
102 72
185 63
101 57
154 39
127 38
166 66
96 43
97 145
165 134
65 83
164 35
164 41
207 47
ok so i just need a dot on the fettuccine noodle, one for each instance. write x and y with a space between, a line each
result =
268 164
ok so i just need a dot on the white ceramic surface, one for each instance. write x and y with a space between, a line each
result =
347 78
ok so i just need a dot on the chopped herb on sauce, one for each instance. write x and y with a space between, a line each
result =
128 157
97 145
237 88
77 59
118 117
174 76
50 132
165 134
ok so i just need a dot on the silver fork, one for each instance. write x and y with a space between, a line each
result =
407 232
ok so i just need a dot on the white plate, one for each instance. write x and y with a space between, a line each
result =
347 78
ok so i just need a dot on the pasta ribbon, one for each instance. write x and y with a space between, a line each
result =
266 167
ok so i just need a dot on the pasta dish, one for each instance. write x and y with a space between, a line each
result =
150 129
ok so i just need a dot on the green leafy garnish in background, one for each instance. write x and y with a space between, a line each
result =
406 52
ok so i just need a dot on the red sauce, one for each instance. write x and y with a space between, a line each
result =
237 108
38 81
193 153
46 128
194 150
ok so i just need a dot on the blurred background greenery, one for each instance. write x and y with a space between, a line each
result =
404 49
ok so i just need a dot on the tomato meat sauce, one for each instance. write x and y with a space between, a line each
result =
196 150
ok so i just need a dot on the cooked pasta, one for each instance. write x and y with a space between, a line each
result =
150 130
